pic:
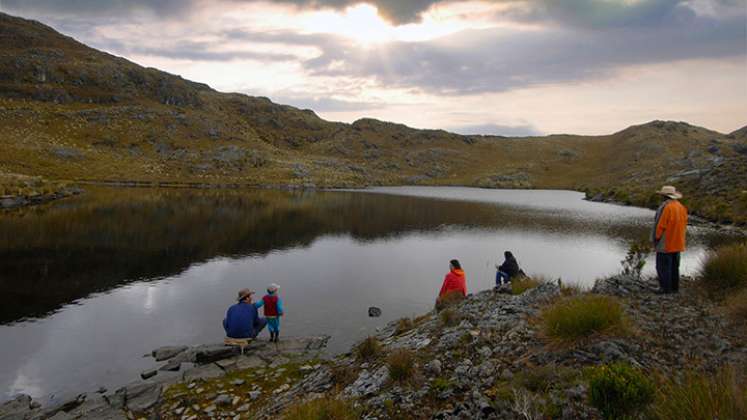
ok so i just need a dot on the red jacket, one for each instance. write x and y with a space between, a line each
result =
454 281
271 306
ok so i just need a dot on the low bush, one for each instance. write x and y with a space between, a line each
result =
521 284
581 316
702 397
322 409
403 325
401 364
635 259
724 270
619 390
368 348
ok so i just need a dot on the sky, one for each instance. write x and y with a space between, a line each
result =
506 67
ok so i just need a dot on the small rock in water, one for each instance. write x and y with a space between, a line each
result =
148 374
374 312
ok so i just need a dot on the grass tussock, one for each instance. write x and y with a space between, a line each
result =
521 284
449 299
449 317
724 270
404 325
343 376
702 397
368 348
401 364
581 316
322 409
736 307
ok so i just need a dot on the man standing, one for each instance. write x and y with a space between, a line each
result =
668 236
242 319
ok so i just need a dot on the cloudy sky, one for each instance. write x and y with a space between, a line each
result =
509 67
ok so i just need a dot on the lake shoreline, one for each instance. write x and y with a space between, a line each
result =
475 364
17 202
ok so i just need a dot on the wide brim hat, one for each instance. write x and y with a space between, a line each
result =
244 293
670 192
273 287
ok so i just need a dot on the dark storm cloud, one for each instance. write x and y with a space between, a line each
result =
494 60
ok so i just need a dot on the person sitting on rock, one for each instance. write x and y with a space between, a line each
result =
455 283
273 306
507 270
242 319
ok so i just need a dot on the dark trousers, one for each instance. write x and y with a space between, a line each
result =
502 277
668 269
259 325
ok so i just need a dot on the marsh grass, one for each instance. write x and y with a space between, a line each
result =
326 408
724 270
702 397
578 317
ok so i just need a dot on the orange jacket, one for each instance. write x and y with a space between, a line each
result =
454 281
671 226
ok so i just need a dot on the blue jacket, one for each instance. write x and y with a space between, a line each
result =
242 320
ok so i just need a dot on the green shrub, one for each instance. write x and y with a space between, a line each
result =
521 284
635 259
368 348
581 316
440 385
403 325
702 397
401 364
724 270
619 390
322 409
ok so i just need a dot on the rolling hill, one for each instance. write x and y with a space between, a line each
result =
71 113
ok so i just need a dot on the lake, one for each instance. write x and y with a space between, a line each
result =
91 283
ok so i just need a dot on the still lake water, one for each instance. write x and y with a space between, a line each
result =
91 283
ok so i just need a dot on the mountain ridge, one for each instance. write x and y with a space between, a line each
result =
74 113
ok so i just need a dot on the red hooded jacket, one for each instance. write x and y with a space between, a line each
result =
454 281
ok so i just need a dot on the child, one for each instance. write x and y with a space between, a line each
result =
509 268
273 311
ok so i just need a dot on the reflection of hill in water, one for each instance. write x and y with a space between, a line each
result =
55 255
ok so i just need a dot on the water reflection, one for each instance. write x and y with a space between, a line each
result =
153 267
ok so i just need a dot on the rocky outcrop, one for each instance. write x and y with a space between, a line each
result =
203 362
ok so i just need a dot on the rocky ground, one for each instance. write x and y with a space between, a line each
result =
491 360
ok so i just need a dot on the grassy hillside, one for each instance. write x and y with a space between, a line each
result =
71 113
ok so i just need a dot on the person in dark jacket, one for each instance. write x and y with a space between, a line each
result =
509 268
242 319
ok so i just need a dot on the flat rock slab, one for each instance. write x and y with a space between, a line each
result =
202 372
167 352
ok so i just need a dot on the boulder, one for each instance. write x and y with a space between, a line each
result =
374 312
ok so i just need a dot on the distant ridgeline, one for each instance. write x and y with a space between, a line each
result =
72 113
